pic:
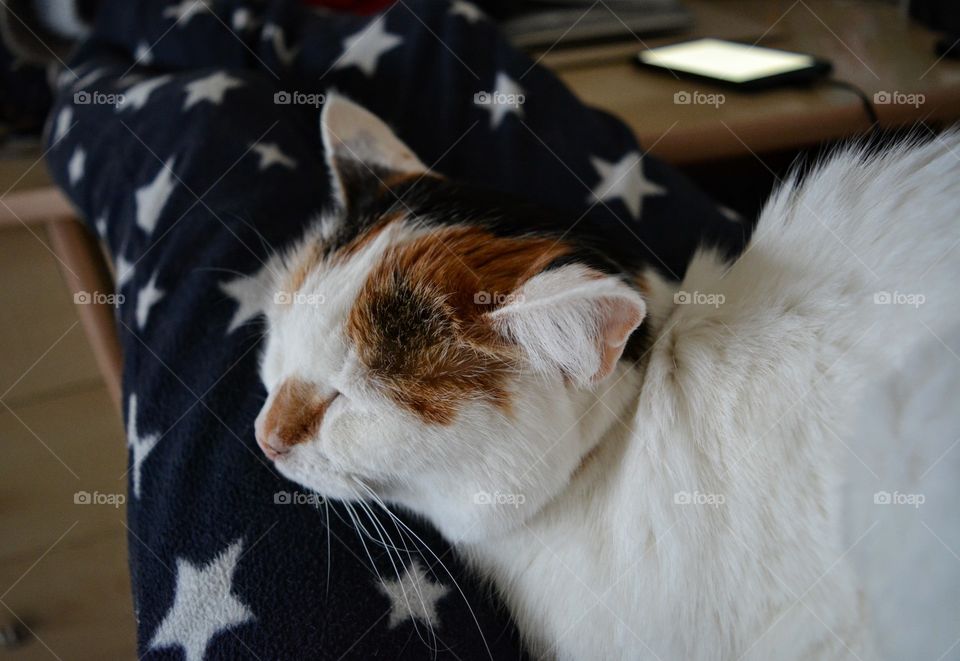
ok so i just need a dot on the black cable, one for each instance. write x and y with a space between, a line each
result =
868 106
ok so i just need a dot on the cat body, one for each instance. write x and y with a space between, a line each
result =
670 491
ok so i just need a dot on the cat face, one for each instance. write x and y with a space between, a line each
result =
417 351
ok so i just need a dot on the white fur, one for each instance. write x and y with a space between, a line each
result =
744 398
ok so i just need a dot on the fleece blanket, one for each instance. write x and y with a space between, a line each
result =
187 133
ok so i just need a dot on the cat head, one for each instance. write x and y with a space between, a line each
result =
422 346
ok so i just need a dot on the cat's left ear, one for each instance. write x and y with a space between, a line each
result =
573 320
361 150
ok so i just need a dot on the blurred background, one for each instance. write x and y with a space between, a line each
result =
63 576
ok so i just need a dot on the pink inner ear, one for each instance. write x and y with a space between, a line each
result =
620 317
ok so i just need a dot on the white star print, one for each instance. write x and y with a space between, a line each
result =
503 99
251 293
729 214
75 167
64 117
204 605
124 272
275 34
143 53
136 97
101 225
270 154
91 77
150 199
624 180
140 444
146 299
470 12
242 20
413 596
186 10
212 88
363 49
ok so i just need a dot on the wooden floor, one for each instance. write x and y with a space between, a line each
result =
63 566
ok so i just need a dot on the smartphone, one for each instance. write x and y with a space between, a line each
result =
729 63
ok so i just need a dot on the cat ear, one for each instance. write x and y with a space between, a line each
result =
572 319
360 149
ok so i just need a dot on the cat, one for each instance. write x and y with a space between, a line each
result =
643 468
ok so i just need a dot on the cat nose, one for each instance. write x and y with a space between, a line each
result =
272 447
291 416
268 439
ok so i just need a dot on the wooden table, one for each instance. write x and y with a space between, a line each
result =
871 44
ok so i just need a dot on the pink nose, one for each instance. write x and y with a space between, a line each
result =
272 447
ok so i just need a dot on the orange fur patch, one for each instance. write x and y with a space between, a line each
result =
296 413
419 322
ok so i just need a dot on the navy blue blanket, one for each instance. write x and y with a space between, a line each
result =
187 133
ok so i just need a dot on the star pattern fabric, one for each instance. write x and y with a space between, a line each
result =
270 154
64 119
469 11
138 95
204 605
624 180
75 167
365 48
250 294
151 198
186 10
147 297
503 100
196 182
140 445
210 89
414 596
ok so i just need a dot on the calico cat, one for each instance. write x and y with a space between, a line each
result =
645 469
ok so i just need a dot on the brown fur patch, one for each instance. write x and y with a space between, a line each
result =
419 322
296 413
